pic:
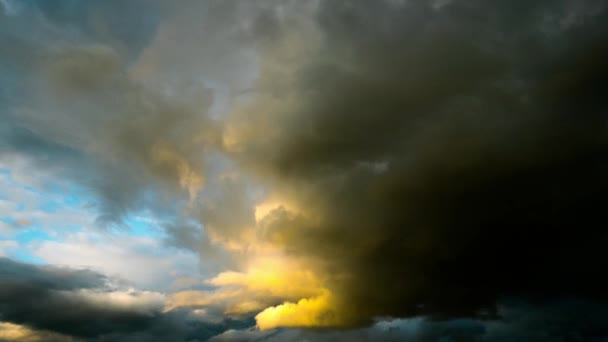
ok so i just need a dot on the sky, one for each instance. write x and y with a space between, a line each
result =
316 170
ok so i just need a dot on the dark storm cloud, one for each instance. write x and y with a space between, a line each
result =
564 320
447 156
20 275
43 298
83 304
439 155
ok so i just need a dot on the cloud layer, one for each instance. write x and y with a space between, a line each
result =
81 304
333 163
437 158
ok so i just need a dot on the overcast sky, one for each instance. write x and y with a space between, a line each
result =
315 170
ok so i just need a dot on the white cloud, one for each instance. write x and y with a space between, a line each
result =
7 246
131 300
142 261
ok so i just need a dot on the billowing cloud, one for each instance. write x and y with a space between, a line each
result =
336 162
521 322
76 108
439 157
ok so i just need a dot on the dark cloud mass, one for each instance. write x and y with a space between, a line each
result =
436 159
553 322
81 304
450 156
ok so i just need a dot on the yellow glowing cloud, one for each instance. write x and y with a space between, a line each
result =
318 311
233 302
272 278
15 332
269 276
21 333
266 207
308 303
268 280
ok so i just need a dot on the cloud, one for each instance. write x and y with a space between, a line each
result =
142 261
547 321
34 296
439 161
125 139
393 158
33 199
7 246
51 221
308 312
266 283
15 332
81 304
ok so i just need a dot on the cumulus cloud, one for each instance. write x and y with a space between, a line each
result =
265 283
338 161
440 157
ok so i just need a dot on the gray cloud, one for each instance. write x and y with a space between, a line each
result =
437 157
71 105
47 298
555 321
84 304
